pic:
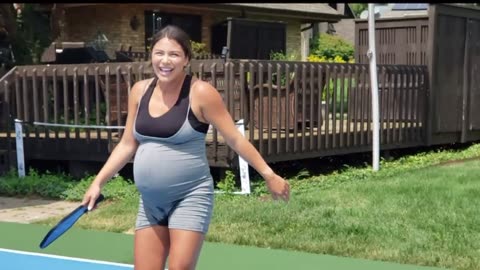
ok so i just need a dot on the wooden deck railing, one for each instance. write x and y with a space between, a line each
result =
292 110
138 56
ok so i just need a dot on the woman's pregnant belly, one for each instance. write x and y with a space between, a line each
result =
166 172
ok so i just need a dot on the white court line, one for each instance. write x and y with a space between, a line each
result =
66 258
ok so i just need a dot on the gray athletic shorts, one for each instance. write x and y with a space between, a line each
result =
193 213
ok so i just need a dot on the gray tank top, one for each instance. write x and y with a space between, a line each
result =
167 168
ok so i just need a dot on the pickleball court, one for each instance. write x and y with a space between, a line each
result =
95 250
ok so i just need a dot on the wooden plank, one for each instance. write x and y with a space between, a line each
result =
76 101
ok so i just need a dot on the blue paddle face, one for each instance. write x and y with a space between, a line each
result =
66 223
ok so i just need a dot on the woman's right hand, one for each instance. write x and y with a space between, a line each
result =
91 196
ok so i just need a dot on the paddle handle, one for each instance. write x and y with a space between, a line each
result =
98 200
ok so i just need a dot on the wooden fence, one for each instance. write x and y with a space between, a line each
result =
139 56
293 110
447 40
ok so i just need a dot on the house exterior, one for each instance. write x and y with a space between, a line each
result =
399 10
130 25
344 28
402 33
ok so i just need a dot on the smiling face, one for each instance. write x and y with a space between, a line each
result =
168 59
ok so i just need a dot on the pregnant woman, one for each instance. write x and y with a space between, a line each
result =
168 118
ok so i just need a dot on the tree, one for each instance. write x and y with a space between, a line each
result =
358 8
7 19
34 30
8 30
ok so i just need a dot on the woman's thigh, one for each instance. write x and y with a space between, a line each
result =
185 249
151 247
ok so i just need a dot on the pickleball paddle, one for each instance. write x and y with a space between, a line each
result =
66 223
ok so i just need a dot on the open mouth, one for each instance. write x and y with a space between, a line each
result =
165 71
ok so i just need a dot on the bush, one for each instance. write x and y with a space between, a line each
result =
33 184
32 37
337 59
199 50
61 186
281 56
332 47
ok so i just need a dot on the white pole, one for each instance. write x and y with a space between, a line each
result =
374 87
19 145
244 175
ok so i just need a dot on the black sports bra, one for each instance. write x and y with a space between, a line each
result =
170 122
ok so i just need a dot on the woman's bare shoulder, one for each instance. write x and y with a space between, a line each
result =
142 83
200 87
139 86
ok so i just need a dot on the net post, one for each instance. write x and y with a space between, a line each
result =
19 148
242 164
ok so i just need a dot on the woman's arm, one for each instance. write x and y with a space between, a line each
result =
124 150
210 108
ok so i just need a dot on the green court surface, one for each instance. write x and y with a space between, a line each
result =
116 247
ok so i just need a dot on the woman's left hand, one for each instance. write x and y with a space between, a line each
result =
278 187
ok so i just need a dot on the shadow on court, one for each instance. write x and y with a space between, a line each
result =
116 247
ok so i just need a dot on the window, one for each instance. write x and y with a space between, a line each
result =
155 20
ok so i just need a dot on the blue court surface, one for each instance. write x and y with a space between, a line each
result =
20 260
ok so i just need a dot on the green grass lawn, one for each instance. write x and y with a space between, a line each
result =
425 217
428 216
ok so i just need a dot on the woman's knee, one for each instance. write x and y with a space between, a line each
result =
181 264
151 247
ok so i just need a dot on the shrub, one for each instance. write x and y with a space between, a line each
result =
62 186
332 47
199 49
337 59
227 184
281 56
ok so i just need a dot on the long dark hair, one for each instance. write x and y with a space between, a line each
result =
177 34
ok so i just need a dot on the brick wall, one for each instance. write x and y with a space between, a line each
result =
83 23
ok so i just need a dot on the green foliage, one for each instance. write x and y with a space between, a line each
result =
337 59
46 185
387 168
117 188
404 218
304 181
33 36
331 47
227 184
199 50
92 119
281 56
302 174
402 213
62 186
258 186
330 88
358 8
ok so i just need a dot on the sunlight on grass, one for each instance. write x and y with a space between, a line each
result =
114 216
424 217
412 211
